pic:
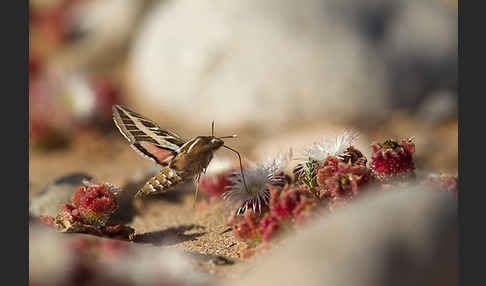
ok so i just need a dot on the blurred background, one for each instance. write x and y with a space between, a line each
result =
279 73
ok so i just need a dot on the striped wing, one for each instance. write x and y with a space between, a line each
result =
145 136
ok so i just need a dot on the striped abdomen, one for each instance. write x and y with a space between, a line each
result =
166 179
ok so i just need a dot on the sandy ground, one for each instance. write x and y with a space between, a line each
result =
174 221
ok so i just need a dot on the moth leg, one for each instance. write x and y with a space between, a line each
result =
196 181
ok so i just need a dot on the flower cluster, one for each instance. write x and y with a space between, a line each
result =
91 209
325 148
353 156
306 173
288 207
247 229
391 160
93 204
339 180
333 172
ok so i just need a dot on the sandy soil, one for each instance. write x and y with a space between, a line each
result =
174 221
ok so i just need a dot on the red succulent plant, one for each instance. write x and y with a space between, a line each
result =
91 209
392 160
95 203
247 229
216 184
341 180
287 206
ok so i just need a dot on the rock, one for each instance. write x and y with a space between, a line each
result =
252 62
438 106
51 198
56 259
158 266
420 51
48 264
401 237
274 62
101 32
212 259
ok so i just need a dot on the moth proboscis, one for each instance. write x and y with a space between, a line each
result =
180 159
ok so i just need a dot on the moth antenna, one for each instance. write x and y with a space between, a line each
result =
212 128
241 166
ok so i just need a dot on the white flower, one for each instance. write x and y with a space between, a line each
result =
321 150
278 163
257 179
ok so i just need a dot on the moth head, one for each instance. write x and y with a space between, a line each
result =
213 142
204 144
216 142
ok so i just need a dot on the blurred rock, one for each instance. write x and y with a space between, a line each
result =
49 201
64 105
99 33
402 237
48 265
56 259
416 39
253 62
212 259
420 51
157 266
273 62
437 107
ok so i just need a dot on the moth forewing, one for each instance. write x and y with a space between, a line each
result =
148 139
136 128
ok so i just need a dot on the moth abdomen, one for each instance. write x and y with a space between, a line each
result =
163 181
